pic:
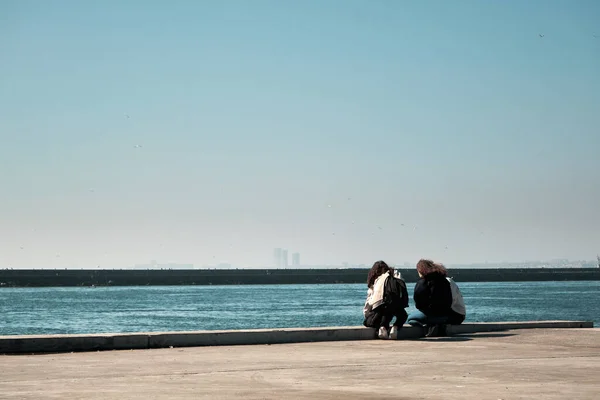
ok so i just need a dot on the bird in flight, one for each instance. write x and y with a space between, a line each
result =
541 35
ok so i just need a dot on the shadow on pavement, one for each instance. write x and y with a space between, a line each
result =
447 339
465 337
485 335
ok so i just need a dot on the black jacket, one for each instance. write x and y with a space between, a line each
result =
433 295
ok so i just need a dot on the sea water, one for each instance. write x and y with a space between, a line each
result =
183 308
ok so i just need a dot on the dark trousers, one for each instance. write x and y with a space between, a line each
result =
381 316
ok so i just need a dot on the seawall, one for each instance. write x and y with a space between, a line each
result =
124 277
152 340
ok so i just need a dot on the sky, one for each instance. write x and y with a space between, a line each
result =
348 131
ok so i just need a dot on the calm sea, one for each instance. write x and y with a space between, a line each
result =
182 308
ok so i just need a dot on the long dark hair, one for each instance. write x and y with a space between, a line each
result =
379 268
426 267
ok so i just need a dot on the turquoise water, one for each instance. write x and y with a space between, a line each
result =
181 308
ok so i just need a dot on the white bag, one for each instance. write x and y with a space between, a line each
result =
458 303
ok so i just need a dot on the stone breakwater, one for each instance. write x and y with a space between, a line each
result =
125 277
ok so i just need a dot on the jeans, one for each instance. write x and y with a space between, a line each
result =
419 318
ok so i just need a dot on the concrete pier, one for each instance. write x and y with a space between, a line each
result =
515 364
72 343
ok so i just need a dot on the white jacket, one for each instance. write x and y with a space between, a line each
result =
458 303
375 294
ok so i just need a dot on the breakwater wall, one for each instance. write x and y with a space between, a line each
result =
124 277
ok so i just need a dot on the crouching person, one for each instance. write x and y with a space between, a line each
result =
437 298
387 299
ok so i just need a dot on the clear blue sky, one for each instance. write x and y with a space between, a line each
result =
205 132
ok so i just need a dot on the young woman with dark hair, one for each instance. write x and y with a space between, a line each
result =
436 305
385 300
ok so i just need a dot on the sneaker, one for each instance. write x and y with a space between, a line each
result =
383 333
394 333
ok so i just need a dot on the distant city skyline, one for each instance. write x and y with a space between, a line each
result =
559 263
296 264
207 133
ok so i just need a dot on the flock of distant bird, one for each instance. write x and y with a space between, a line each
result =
595 36
139 146
380 228
543 35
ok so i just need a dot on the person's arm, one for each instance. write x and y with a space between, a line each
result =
441 297
421 295
367 307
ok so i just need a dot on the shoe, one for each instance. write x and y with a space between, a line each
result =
437 331
433 331
394 333
383 333
443 330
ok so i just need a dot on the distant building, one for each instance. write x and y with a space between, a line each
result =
277 257
296 260
284 259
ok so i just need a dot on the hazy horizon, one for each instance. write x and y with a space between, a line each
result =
347 131
160 264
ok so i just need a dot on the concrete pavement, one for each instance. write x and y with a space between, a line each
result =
518 364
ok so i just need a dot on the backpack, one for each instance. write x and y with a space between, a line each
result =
395 295
458 303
